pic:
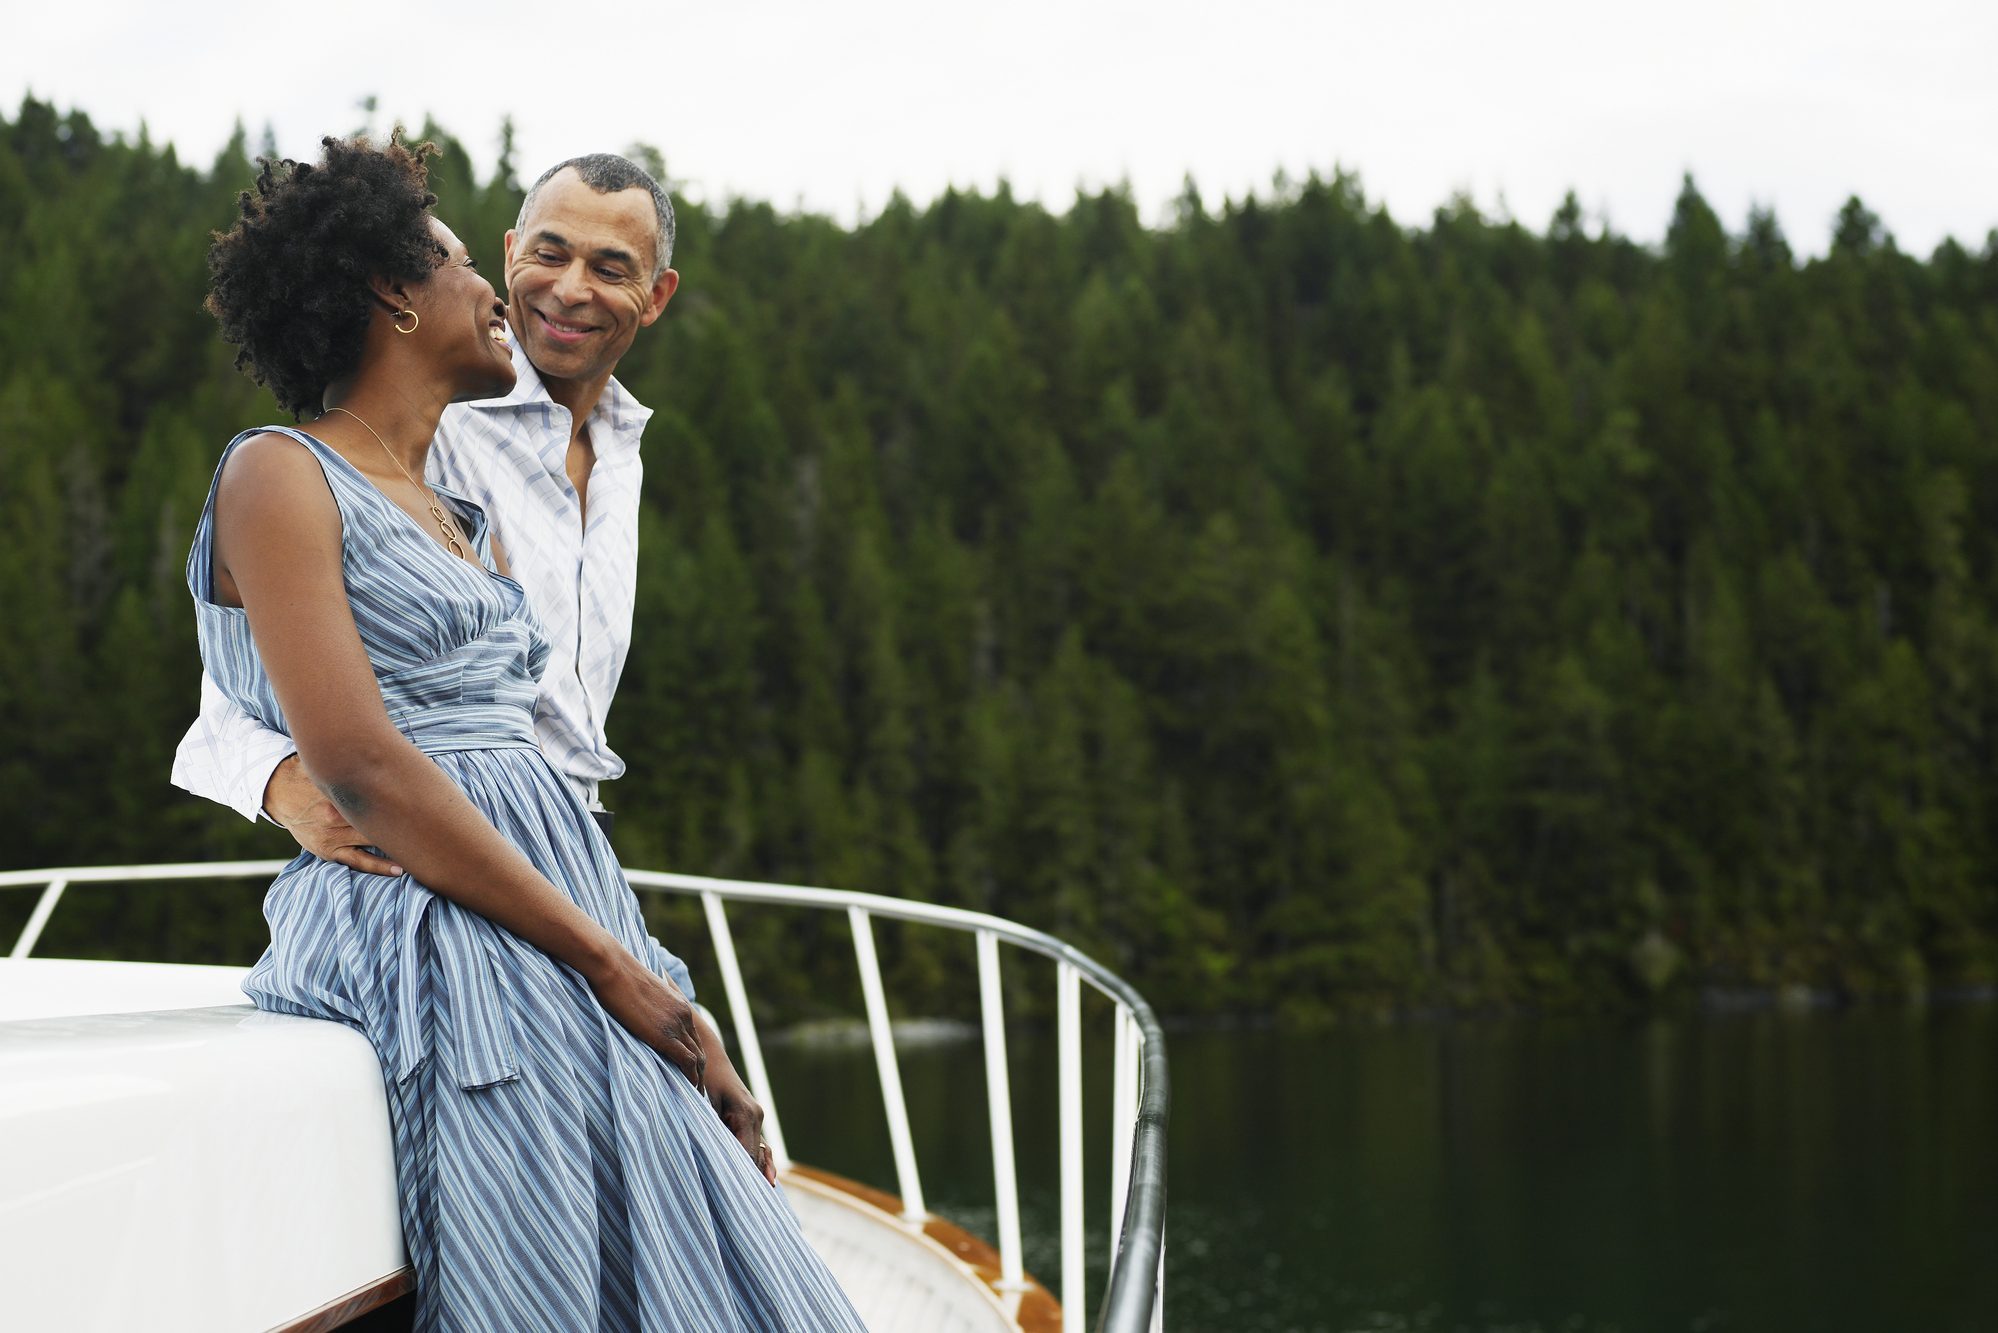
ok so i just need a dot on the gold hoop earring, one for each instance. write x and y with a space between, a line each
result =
414 320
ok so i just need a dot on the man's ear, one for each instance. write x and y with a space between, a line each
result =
663 288
506 256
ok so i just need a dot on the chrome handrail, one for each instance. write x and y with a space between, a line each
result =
1134 1299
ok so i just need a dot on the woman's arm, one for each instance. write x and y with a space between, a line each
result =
277 553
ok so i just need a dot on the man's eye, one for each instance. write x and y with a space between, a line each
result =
610 275
548 256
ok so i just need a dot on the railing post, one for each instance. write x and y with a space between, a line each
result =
745 1026
999 1094
39 918
1123 1120
884 1060
1068 1023
1158 1291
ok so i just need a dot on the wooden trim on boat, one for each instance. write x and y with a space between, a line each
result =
345 1309
1038 1311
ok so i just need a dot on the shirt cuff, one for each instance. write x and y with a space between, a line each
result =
253 779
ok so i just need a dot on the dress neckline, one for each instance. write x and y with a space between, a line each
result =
479 519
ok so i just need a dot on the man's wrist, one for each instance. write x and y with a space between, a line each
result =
271 785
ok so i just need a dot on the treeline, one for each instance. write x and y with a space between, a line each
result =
1301 612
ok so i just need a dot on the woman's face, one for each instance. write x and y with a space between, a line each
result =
465 323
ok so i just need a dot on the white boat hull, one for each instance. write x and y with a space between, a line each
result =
187 1169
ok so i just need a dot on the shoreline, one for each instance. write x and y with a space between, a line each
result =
1712 1002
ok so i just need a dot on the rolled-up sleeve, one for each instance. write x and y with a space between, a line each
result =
227 756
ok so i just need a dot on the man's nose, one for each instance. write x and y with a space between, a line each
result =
572 285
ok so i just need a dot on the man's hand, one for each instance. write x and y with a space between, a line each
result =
730 1097
291 800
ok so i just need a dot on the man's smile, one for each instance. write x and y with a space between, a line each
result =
564 332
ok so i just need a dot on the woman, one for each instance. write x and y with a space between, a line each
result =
558 1161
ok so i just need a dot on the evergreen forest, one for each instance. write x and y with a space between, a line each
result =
1306 613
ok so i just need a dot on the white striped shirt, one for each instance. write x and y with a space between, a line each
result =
509 456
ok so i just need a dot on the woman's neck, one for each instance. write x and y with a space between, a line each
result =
401 421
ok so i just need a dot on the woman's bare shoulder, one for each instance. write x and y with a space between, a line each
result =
273 466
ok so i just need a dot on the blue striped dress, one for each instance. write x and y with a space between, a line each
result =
554 1172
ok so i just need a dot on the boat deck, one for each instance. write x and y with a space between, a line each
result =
903 1277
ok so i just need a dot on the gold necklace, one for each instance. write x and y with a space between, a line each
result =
444 524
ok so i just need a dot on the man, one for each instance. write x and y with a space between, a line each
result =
555 464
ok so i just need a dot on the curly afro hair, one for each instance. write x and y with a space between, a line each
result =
289 282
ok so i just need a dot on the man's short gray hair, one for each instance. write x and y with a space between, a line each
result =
607 173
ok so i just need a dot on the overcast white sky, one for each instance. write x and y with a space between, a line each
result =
830 106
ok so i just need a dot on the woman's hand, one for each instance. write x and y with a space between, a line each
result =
659 1014
742 1113
656 1012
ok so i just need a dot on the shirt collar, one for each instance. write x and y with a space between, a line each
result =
616 423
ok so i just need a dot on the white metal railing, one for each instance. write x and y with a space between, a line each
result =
1134 1300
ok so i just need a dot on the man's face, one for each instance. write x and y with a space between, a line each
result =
579 277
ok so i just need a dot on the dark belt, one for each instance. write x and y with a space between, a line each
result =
604 820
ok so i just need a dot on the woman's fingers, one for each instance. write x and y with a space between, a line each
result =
668 1024
657 1014
751 1138
654 1010
682 1045
685 1054
692 1040
743 1116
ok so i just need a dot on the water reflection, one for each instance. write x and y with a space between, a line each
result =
1827 1172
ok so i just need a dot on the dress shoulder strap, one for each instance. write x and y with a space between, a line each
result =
201 556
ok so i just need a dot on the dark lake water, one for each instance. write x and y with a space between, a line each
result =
1820 1172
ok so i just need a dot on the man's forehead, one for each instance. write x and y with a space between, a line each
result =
569 200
